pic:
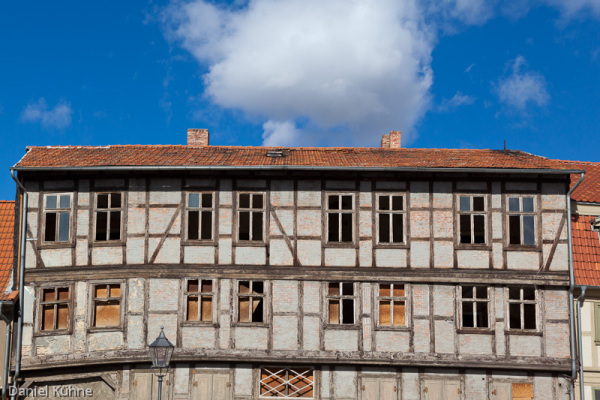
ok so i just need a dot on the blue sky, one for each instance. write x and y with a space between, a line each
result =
447 73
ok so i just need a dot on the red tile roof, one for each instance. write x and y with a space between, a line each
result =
7 226
589 189
223 156
586 251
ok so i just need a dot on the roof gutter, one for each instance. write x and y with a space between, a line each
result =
572 289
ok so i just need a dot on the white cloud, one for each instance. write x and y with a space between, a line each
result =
522 87
350 69
58 117
470 12
456 101
572 8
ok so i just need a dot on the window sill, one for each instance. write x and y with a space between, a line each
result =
523 332
199 243
475 331
106 329
249 243
393 328
465 246
52 333
251 325
337 327
53 245
340 245
522 247
199 324
391 246
107 243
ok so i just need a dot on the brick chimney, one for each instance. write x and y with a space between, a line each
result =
197 137
392 140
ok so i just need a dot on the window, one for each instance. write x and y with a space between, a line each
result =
471 211
522 308
392 304
596 394
106 300
200 214
522 391
521 220
340 218
474 306
597 322
108 216
199 300
57 218
390 218
55 307
340 301
287 383
251 216
251 301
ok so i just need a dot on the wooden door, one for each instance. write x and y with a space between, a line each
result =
452 390
388 389
432 390
145 386
211 387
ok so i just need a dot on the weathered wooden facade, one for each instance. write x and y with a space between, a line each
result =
315 273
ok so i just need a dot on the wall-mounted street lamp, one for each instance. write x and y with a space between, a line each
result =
161 351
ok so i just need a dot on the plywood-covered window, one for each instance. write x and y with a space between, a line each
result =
474 306
199 295
106 303
390 218
391 300
200 215
109 209
340 302
522 308
57 218
472 219
251 217
287 383
55 309
521 220
522 391
251 301
340 218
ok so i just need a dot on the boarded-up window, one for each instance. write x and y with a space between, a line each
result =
522 313
521 220
106 299
108 216
55 308
251 301
200 215
251 216
522 391
390 218
472 219
199 300
57 218
287 383
392 304
474 306
340 218
340 301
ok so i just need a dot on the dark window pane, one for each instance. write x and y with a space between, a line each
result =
193 222
514 229
257 313
49 295
467 292
398 227
346 227
465 203
101 225
384 203
63 226
514 311
346 202
465 229
348 289
334 289
347 311
385 289
51 201
207 200
257 201
333 228
478 203
397 203
50 232
399 290
65 201
257 287
384 228
482 315
528 230
334 202
479 228
63 293
257 226
244 226
467 315
244 287
514 293
334 311
115 201
193 200
206 231
103 200
206 286
115 225
193 286
529 316
513 204
596 394
244 200
481 292
244 309
528 204
528 293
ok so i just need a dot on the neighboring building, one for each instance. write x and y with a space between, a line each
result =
7 295
325 273
586 264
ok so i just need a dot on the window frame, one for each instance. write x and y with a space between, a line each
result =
200 209
288 368
95 211
39 300
353 212
265 296
536 214
44 210
487 220
340 297
199 294
406 298
251 210
489 300
122 305
522 302
405 217
596 317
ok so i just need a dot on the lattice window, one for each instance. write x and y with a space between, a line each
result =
108 216
472 215
200 215
199 300
106 305
287 383
475 303
55 307
340 301
392 304
521 220
390 218
57 218
251 301
522 308
251 217
340 218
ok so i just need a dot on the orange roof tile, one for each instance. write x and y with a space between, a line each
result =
325 157
7 225
589 189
